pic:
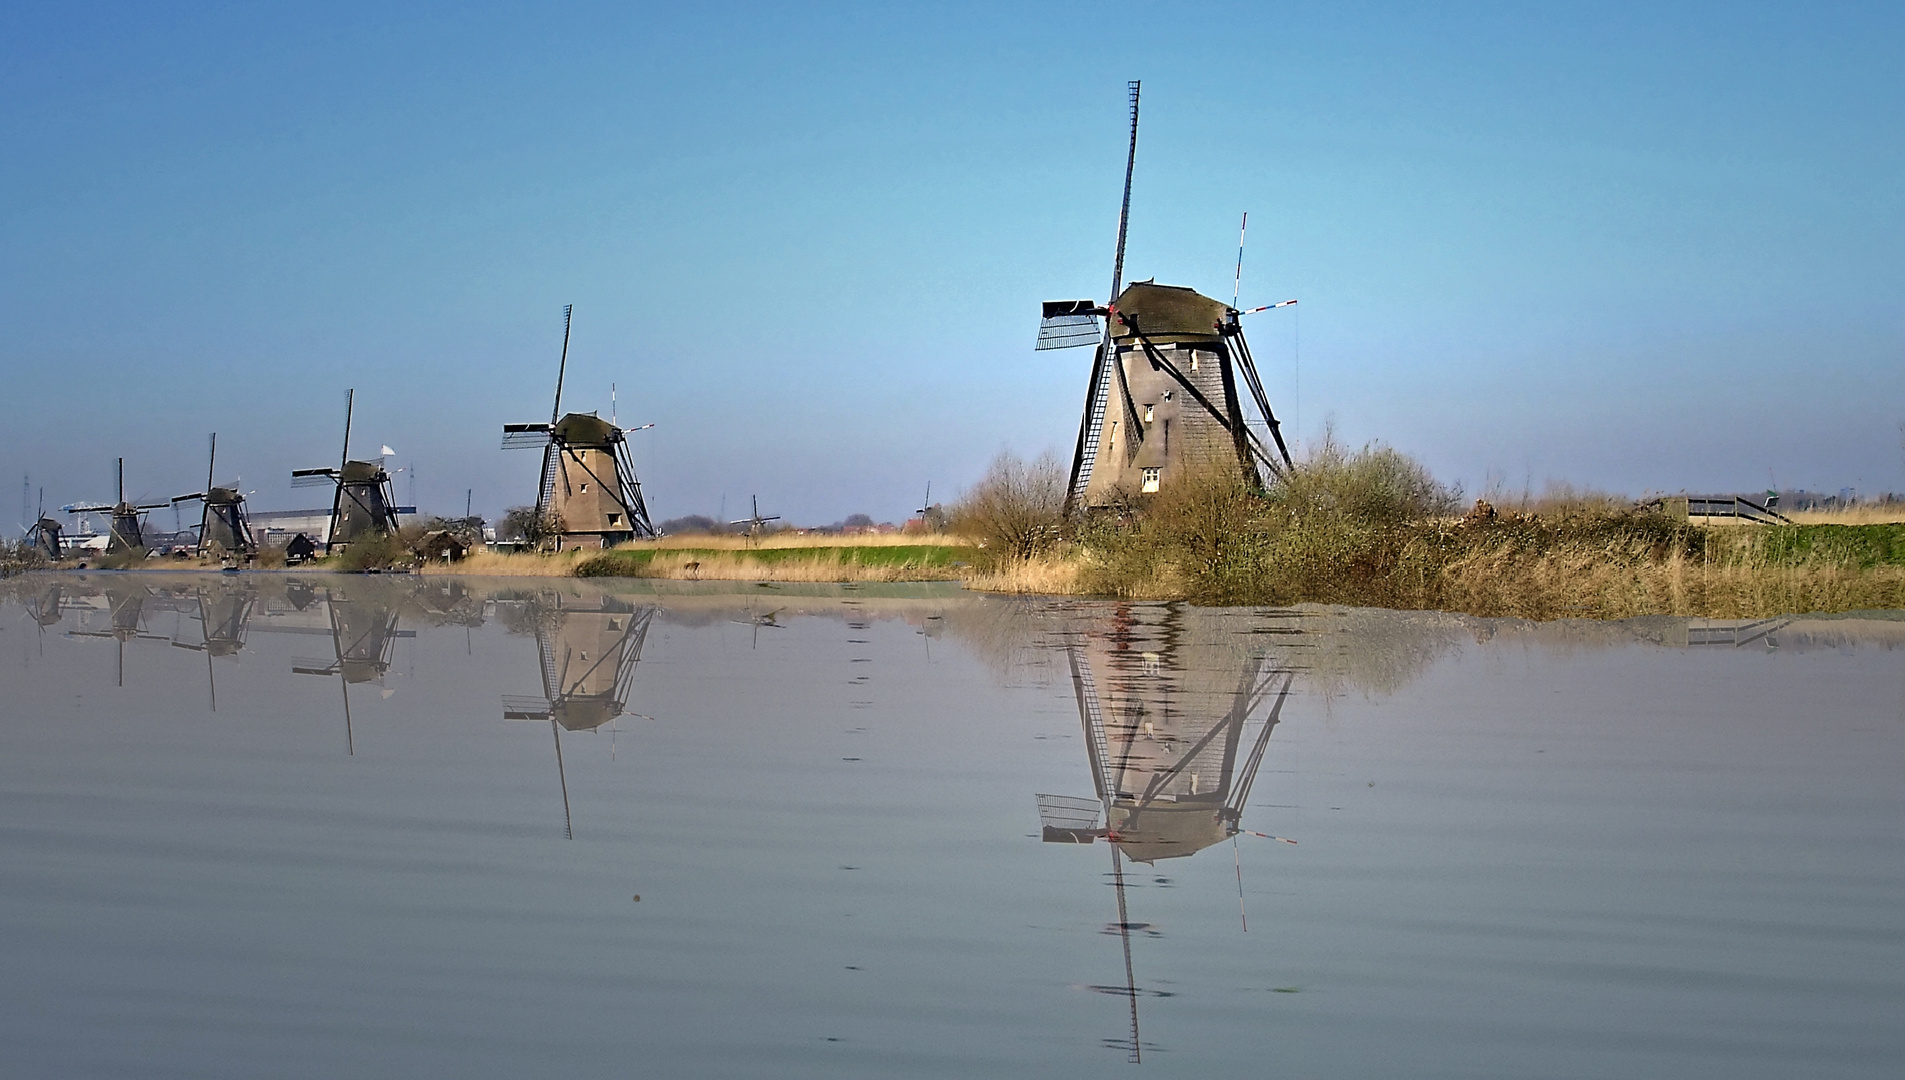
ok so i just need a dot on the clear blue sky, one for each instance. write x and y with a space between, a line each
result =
1652 248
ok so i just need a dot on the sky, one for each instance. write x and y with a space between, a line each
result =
1633 248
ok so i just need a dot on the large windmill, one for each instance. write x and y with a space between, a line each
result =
127 533
1164 394
362 504
224 527
588 481
588 655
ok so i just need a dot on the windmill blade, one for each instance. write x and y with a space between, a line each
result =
1269 307
188 498
1067 324
524 707
313 477
525 436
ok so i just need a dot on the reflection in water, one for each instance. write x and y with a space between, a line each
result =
588 649
1166 706
363 633
126 607
1177 707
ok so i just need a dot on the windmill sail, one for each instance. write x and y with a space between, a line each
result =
1067 324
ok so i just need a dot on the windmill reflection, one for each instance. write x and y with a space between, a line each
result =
364 635
224 614
588 651
1175 731
126 611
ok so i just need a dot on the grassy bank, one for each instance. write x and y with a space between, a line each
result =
791 562
1373 528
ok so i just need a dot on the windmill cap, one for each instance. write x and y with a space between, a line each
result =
582 429
1168 314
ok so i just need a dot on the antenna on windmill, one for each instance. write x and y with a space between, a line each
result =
1237 283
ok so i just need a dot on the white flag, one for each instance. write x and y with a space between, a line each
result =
388 452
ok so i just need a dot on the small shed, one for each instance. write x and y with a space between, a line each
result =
442 544
300 549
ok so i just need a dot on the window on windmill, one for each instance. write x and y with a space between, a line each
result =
585 485
1150 413
615 519
1168 394
1194 355
1150 480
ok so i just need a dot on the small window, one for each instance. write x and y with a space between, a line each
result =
1150 414
1113 442
1194 360
615 519
1168 394
585 487
1150 480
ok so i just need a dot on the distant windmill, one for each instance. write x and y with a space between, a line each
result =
224 527
1163 394
756 523
588 480
45 533
127 534
588 655
362 503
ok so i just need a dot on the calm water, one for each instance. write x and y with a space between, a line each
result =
326 826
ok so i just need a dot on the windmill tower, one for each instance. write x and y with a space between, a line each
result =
588 655
224 527
362 503
1168 379
127 534
588 480
1166 713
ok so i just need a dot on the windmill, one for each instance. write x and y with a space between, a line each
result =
1164 394
588 477
587 655
362 503
127 533
46 533
224 527
1168 743
756 524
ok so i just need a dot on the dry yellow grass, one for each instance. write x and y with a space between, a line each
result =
771 541
497 564
1867 514
1038 576
692 565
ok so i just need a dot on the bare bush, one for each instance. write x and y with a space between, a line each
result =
1017 509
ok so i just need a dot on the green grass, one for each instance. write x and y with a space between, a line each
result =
1863 546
